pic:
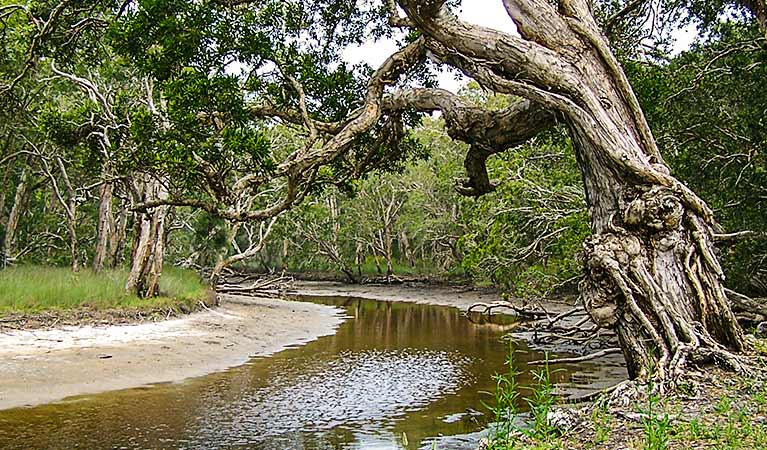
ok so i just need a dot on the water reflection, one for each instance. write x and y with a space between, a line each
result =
391 370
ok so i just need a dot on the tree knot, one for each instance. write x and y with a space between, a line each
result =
657 209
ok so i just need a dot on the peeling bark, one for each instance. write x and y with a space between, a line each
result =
149 245
117 238
9 240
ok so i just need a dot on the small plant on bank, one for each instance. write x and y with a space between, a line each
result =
601 419
723 406
504 407
541 402
506 434
656 423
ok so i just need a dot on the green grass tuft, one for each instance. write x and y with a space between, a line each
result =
39 288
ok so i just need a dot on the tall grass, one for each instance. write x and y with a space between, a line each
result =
37 288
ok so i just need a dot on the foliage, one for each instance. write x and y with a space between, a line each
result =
184 81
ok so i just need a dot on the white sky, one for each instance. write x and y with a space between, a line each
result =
488 13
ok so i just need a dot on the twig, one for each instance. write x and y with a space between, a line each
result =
595 355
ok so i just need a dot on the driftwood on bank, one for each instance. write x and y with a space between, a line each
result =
261 286
573 326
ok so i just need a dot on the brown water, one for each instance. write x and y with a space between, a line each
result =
394 376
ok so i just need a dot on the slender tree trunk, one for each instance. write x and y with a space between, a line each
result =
404 244
149 247
9 241
70 210
117 238
106 227
285 249
388 244
377 261
4 188
72 232
359 258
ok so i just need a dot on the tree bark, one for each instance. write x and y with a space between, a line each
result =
386 241
377 261
4 188
117 238
149 247
105 228
404 245
359 257
9 241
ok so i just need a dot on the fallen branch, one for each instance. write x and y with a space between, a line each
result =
265 287
522 312
745 303
589 357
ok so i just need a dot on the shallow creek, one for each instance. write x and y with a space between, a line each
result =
394 376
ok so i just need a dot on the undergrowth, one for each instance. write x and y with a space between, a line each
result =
717 410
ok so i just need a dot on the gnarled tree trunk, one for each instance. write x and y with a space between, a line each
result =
650 268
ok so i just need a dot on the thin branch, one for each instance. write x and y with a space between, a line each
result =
589 357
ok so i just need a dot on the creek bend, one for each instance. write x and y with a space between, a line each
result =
392 370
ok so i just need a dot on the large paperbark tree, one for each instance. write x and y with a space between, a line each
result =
651 272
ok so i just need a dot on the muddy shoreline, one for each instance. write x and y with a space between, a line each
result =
40 366
44 366
53 361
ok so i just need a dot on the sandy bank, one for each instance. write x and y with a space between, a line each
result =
440 295
458 297
42 366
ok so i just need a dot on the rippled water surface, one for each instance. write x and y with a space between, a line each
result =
394 376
